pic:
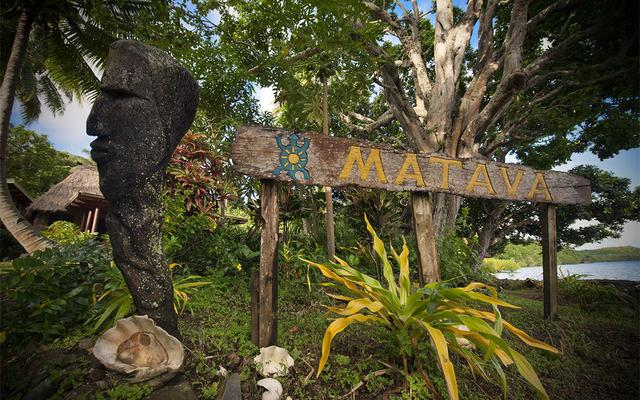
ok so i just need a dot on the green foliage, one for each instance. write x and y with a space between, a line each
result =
210 391
124 391
524 255
587 294
458 260
185 234
530 255
66 233
496 264
118 302
434 314
51 292
9 247
623 253
34 163
202 245
67 38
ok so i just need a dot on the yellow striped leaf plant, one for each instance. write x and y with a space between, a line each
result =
443 317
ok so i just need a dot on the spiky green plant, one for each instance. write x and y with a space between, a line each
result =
435 313
118 302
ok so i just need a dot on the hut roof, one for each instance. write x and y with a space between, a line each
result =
82 179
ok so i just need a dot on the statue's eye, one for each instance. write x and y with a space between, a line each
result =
118 92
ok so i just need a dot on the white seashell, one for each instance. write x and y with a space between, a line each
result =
136 346
273 361
274 388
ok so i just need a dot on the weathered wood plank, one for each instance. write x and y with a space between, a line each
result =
549 260
268 280
314 159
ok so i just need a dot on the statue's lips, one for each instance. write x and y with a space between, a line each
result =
101 147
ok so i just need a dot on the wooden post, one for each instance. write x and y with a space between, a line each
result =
549 260
268 276
425 238
86 226
94 225
84 221
328 192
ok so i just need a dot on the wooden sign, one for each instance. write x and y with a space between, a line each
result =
314 159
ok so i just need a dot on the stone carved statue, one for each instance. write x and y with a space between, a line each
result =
147 102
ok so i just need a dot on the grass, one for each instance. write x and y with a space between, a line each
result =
599 361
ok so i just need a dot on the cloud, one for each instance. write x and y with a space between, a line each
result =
67 131
630 237
266 98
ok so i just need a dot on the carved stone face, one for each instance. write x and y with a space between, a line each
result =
147 102
131 141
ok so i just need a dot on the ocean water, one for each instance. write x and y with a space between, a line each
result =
616 270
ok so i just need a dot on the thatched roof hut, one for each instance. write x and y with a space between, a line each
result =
77 199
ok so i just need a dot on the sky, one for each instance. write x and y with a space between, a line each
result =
66 132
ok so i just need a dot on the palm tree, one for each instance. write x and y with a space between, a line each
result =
54 45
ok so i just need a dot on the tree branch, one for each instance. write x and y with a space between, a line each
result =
413 48
553 7
304 54
552 53
385 119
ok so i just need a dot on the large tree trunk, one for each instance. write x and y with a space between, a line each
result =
11 218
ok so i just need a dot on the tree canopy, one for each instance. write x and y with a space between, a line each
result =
34 163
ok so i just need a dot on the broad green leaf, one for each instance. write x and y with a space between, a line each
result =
528 373
340 297
338 326
403 262
528 339
442 351
501 375
378 246
326 271
519 333
454 293
355 306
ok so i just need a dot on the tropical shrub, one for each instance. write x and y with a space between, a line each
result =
497 264
65 232
197 170
49 293
459 260
435 313
587 294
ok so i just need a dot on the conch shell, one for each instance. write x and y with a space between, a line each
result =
273 361
136 346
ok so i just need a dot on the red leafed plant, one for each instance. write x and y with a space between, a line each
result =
196 170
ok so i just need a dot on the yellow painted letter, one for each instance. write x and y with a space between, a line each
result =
445 169
539 185
373 160
481 170
410 161
512 188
